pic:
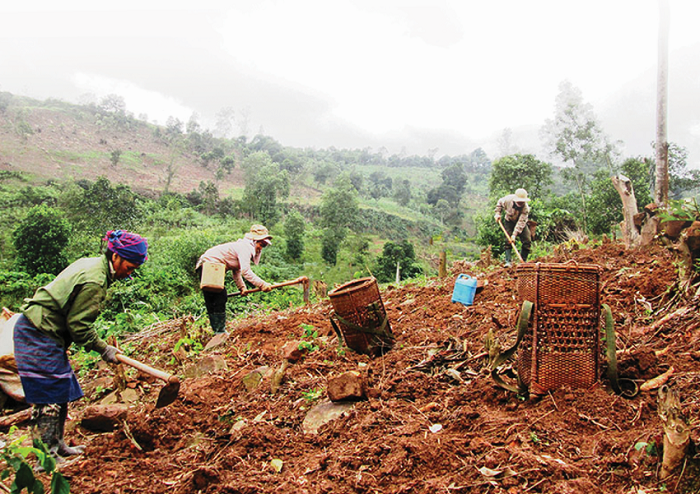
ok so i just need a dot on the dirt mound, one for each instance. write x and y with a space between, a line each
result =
434 420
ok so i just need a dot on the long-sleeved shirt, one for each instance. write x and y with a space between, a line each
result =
512 213
236 256
66 308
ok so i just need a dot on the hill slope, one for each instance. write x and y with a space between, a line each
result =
59 141
434 420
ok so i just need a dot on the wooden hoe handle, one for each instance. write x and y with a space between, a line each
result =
147 369
510 239
301 279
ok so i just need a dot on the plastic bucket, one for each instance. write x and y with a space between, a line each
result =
359 317
465 289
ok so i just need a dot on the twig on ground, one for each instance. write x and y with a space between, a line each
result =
543 416
534 485
129 435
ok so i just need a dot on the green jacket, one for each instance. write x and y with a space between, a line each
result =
66 308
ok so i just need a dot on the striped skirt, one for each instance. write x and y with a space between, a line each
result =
43 366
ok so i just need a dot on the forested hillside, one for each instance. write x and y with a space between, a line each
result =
430 418
99 168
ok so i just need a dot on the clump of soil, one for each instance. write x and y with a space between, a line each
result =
434 420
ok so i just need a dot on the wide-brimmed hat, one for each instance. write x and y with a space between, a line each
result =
259 232
521 196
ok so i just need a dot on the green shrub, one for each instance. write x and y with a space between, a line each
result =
40 241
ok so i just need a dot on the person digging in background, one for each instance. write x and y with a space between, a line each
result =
516 211
61 313
236 257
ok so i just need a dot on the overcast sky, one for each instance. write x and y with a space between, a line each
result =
344 73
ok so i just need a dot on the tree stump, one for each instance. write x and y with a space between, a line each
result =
624 187
676 430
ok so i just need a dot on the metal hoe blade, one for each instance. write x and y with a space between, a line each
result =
168 393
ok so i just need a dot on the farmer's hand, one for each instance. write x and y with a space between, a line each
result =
497 217
266 287
109 354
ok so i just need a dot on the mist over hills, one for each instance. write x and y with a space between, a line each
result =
629 114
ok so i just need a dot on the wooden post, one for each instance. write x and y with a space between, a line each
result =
398 272
307 285
442 268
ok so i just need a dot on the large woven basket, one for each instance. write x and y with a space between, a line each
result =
359 315
562 342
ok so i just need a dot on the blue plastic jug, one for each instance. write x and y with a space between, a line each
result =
465 289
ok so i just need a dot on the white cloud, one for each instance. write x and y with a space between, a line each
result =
156 106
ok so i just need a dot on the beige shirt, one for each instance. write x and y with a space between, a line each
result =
518 216
236 256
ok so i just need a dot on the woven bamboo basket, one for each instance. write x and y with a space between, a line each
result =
360 317
562 343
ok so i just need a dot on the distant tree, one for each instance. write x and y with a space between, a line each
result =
324 171
454 180
101 207
330 244
224 123
5 99
357 180
269 145
201 143
244 123
40 240
360 250
215 155
209 194
477 161
294 227
193 126
401 253
114 156
520 171
173 127
339 208
228 163
379 185
402 192
641 172
506 146
575 136
292 164
680 179
113 103
265 184
442 209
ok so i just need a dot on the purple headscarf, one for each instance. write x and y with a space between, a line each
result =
129 246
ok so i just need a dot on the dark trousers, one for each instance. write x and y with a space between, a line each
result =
215 302
524 236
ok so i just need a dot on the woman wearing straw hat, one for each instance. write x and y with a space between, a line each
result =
515 210
236 257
